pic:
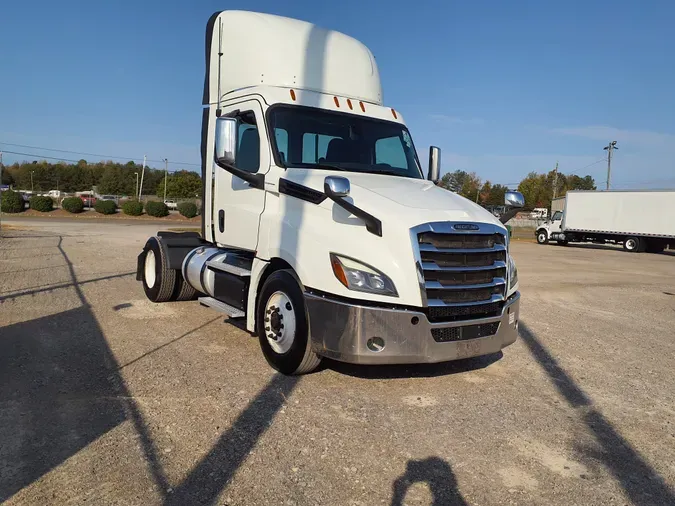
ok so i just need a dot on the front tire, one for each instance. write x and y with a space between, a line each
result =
542 237
159 281
283 325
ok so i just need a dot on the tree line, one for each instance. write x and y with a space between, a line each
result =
538 189
110 178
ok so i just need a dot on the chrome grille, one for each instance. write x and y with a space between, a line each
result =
462 269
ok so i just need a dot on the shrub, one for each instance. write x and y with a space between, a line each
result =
72 204
105 206
188 209
12 202
42 204
132 208
156 209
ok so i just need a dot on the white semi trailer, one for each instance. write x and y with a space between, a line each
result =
641 220
319 227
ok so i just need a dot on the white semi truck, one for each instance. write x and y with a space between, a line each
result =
640 220
319 227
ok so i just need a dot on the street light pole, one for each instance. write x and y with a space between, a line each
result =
166 175
136 182
140 189
612 145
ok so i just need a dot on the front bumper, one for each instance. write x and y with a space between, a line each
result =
346 332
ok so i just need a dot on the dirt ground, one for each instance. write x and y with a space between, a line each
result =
106 398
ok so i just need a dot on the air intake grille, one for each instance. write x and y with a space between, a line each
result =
450 334
464 273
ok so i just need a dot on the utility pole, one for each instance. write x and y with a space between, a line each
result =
31 181
609 147
136 182
166 175
555 181
0 190
140 189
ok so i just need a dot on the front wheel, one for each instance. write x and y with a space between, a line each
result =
283 327
542 237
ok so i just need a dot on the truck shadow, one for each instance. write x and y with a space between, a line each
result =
411 370
611 247
437 474
60 392
641 483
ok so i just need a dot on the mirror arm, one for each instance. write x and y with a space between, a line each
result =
255 180
373 225
508 215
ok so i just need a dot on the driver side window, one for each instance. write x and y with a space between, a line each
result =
557 216
248 143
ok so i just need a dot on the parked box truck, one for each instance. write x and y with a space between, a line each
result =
641 220
319 227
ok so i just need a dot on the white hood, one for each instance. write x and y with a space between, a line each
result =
408 201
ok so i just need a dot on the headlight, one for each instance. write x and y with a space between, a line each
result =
513 273
361 277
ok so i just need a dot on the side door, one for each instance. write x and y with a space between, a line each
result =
237 205
556 221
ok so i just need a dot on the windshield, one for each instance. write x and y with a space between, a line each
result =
556 216
306 137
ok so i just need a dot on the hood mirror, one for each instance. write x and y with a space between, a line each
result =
336 186
434 164
514 199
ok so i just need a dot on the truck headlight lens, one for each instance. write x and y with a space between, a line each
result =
513 273
361 277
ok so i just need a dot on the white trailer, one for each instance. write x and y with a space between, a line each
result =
318 226
641 220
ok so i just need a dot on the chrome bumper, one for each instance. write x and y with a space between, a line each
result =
345 332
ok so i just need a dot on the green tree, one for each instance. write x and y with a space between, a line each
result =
575 182
183 184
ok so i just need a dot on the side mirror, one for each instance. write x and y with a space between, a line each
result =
335 186
514 200
226 140
434 164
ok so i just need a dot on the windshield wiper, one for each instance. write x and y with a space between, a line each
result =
327 166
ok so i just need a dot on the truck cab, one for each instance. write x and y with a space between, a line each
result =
551 230
319 225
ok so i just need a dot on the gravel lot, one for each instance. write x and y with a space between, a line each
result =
106 398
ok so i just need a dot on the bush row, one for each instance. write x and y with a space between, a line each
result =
12 202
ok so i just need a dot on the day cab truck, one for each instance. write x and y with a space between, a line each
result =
638 219
319 227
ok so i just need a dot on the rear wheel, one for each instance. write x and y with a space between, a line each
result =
283 327
542 237
159 281
633 244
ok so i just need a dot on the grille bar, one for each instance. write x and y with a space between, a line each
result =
432 266
432 248
436 285
439 302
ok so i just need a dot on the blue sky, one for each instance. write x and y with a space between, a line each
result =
503 88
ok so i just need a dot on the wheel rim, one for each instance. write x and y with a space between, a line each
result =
631 244
542 237
150 269
280 322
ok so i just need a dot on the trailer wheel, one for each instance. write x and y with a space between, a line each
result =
633 244
159 281
542 237
283 327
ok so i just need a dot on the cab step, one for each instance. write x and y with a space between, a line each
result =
222 307
229 268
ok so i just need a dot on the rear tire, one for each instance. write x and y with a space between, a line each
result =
283 325
633 244
542 237
183 290
159 282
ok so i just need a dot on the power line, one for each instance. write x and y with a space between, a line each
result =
91 154
42 157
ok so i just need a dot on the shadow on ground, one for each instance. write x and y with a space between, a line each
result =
437 474
640 482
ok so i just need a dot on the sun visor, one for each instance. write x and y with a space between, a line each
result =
266 50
